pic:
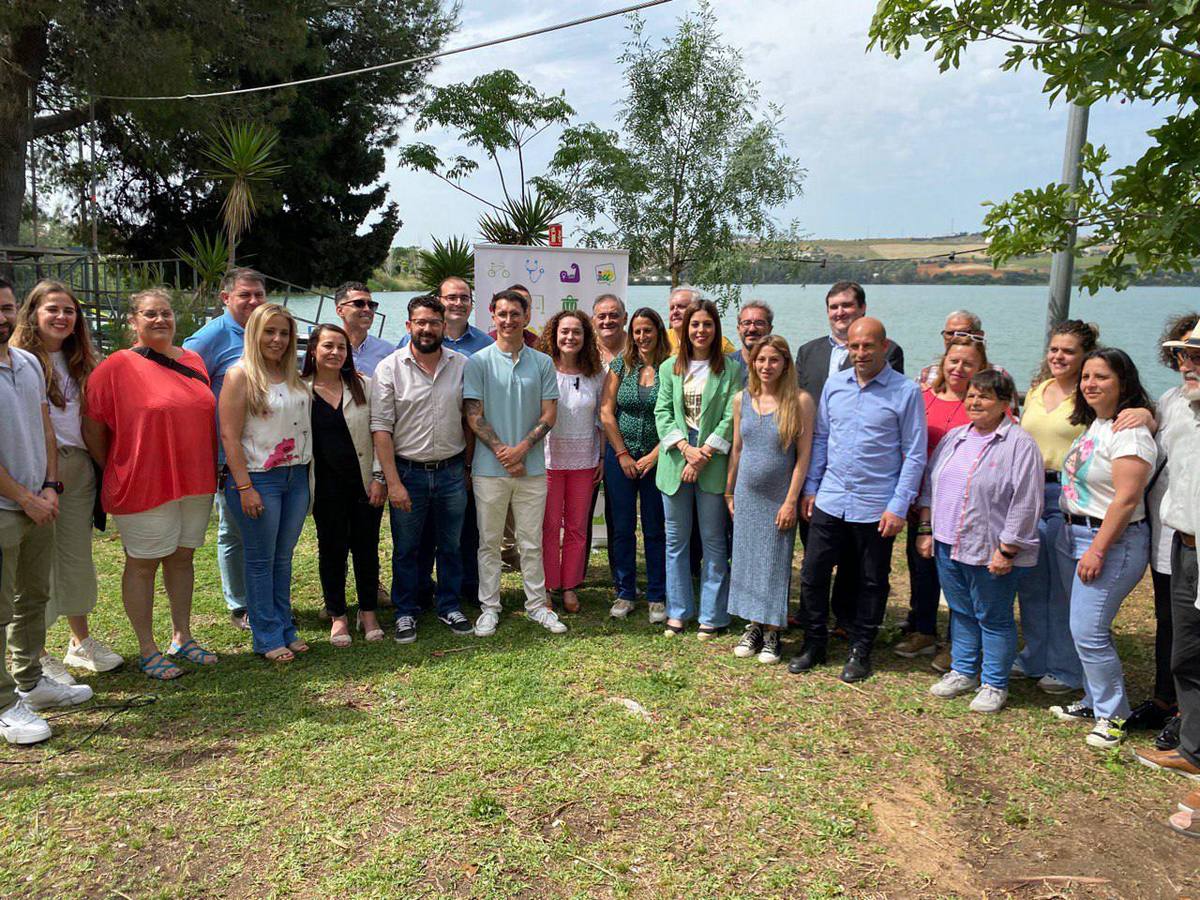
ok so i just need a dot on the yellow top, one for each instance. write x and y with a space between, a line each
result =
673 339
1053 430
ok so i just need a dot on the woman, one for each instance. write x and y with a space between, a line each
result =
574 448
945 409
51 326
694 417
149 423
266 427
1105 541
979 514
630 464
772 440
347 497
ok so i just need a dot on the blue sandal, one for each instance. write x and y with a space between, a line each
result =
193 653
158 667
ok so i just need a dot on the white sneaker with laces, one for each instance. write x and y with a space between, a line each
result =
92 654
952 684
485 625
658 613
990 699
548 619
49 693
1052 685
56 671
621 608
21 725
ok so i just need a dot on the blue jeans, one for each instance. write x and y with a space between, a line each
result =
269 541
623 495
231 558
983 634
713 518
1094 606
1043 598
439 496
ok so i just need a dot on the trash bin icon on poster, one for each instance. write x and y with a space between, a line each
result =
570 303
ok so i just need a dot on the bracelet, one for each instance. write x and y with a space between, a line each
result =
1006 554
243 487
924 529
624 453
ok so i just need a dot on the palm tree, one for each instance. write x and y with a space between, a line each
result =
240 154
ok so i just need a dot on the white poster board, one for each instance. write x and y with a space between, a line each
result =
557 277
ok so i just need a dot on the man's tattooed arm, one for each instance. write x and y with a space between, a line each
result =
473 410
540 430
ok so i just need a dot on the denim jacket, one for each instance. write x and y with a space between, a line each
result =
1002 503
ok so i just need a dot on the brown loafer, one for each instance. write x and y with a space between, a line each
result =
1168 761
1185 823
1190 803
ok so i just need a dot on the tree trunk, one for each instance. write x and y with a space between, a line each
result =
22 69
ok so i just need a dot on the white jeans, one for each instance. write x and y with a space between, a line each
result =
527 496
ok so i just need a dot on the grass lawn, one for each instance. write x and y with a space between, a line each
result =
514 766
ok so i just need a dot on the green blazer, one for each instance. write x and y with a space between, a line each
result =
716 426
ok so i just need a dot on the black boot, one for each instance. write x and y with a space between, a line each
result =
812 653
1168 738
858 666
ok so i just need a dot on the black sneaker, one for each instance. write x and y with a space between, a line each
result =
406 629
239 619
456 622
1168 738
771 652
1150 716
751 642
1074 712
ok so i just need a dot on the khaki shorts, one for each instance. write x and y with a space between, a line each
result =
161 531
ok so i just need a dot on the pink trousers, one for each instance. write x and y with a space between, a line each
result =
564 528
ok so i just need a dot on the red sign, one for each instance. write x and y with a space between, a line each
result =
555 235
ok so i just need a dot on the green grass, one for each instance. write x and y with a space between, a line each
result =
509 767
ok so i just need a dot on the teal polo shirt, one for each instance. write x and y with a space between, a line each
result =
512 395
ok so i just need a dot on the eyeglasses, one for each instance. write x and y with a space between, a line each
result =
977 338
1192 357
360 303
457 298
753 323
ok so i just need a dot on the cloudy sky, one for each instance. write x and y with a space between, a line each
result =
891 147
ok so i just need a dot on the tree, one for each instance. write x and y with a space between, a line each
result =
1145 216
691 177
240 155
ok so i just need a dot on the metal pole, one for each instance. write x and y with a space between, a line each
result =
95 252
1062 266
33 197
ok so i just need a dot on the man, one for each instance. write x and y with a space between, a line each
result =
416 424
845 303
354 306
459 335
29 490
220 343
868 458
610 319
755 321
1179 433
529 336
677 304
510 397
960 323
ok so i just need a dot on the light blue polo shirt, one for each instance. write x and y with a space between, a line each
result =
512 395
22 440
220 343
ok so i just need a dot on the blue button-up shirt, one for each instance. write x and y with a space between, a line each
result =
838 354
868 451
220 344
370 353
472 341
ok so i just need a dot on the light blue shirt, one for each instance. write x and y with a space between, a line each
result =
838 354
512 395
220 344
22 440
371 353
472 341
868 452
743 370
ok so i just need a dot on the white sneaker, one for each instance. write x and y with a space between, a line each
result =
1052 685
1017 670
21 725
56 671
621 608
990 699
952 684
93 654
658 613
49 693
1107 735
485 625
548 619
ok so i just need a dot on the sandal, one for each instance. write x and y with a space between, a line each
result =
570 601
340 639
279 654
708 632
298 646
375 634
670 630
1185 823
192 652
158 667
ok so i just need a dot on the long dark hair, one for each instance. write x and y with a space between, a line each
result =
716 359
1132 395
662 347
350 376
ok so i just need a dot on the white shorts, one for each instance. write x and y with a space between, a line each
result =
160 531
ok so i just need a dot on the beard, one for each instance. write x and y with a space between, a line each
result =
5 332
1191 388
427 343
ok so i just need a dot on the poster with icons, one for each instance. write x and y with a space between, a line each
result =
557 278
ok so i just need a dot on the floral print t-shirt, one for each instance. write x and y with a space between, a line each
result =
1087 485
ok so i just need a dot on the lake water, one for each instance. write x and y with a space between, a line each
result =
1013 316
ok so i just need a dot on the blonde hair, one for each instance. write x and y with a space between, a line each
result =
788 421
258 373
77 348
980 350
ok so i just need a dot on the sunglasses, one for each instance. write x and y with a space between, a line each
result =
360 303
977 338
1191 356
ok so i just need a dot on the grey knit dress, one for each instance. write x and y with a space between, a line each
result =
762 554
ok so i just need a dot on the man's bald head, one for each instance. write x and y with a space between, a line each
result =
867 343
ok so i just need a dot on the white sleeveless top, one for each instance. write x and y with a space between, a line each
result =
283 436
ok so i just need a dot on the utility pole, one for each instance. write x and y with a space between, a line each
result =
1062 266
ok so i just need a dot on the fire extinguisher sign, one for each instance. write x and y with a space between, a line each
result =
555 235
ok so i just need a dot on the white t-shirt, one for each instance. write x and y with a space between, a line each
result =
68 426
693 392
574 441
1087 485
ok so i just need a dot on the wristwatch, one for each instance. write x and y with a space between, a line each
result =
57 485
1006 554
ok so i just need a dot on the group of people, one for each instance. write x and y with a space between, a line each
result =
484 445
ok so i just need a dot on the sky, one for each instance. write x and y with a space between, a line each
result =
892 148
